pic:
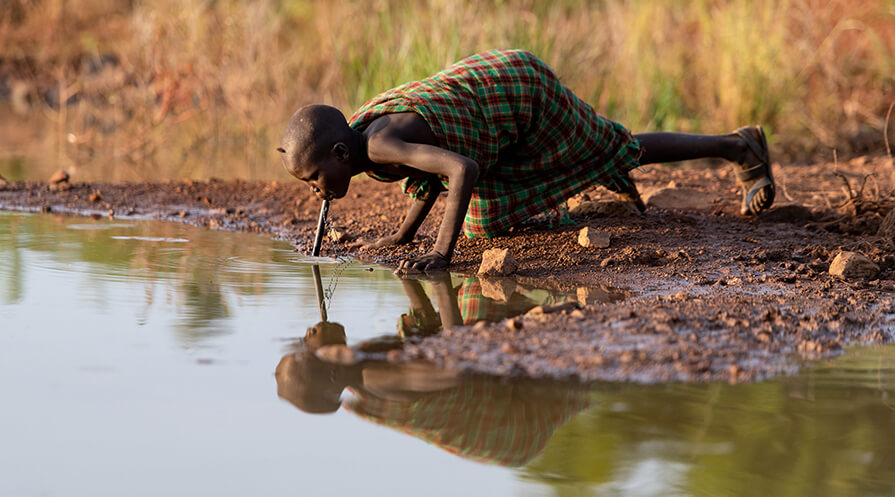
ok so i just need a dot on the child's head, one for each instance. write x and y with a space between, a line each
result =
317 148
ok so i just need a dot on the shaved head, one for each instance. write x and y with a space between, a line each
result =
310 134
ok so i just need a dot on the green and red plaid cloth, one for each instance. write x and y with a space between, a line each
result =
536 142
483 420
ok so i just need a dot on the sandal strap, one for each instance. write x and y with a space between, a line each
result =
759 149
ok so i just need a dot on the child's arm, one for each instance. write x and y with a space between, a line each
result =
415 216
462 173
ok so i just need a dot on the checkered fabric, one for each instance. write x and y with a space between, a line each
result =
535 141
482 419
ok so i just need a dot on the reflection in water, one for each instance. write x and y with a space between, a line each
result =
501 422
116 304
826 432
477 299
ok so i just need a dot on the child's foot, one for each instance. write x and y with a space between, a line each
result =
754 171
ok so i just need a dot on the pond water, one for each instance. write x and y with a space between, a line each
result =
147 359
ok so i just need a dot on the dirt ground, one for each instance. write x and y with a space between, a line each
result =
715 295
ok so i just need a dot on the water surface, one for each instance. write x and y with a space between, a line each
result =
158 359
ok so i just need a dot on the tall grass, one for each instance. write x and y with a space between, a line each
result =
203 88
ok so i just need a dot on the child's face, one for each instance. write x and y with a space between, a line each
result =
329 178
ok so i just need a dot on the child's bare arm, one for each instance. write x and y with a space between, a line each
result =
415 217
462 173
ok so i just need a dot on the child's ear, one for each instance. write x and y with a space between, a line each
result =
340 150
280 150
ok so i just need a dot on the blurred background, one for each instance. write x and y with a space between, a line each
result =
149 90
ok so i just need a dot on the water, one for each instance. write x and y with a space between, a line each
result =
158 359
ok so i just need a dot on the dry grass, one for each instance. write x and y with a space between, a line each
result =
203 88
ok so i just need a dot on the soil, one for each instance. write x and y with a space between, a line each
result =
715 295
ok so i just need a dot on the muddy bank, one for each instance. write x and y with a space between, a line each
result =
715 295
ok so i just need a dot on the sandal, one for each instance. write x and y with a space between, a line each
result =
758 174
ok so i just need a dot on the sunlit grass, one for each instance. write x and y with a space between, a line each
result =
203 88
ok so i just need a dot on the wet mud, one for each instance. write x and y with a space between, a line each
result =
707 294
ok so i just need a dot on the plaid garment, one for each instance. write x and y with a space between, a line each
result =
482 419
536 143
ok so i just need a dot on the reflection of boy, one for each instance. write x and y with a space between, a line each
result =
467 302
483 419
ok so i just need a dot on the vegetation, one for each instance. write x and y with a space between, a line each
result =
171 88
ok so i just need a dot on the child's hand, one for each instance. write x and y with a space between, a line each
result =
382 242
433 261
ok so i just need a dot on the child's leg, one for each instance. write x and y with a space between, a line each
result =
675 147
746 147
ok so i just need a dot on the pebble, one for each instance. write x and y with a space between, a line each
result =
589 237
498 262
514 324
339 235
58 177
852 265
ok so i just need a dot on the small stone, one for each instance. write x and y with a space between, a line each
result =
514 324
603 208
499 262
574 203
339 235
96 196
589 237
480 325
3 181
679 198
577 314
499 289
59 176
852 265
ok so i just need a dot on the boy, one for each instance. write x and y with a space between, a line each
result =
505 138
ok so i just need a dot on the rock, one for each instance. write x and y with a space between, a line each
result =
3 181
575 202
499 289
58 177
602 208
679 198
852 265
589 237
498 262
96 196
339 235
514 324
